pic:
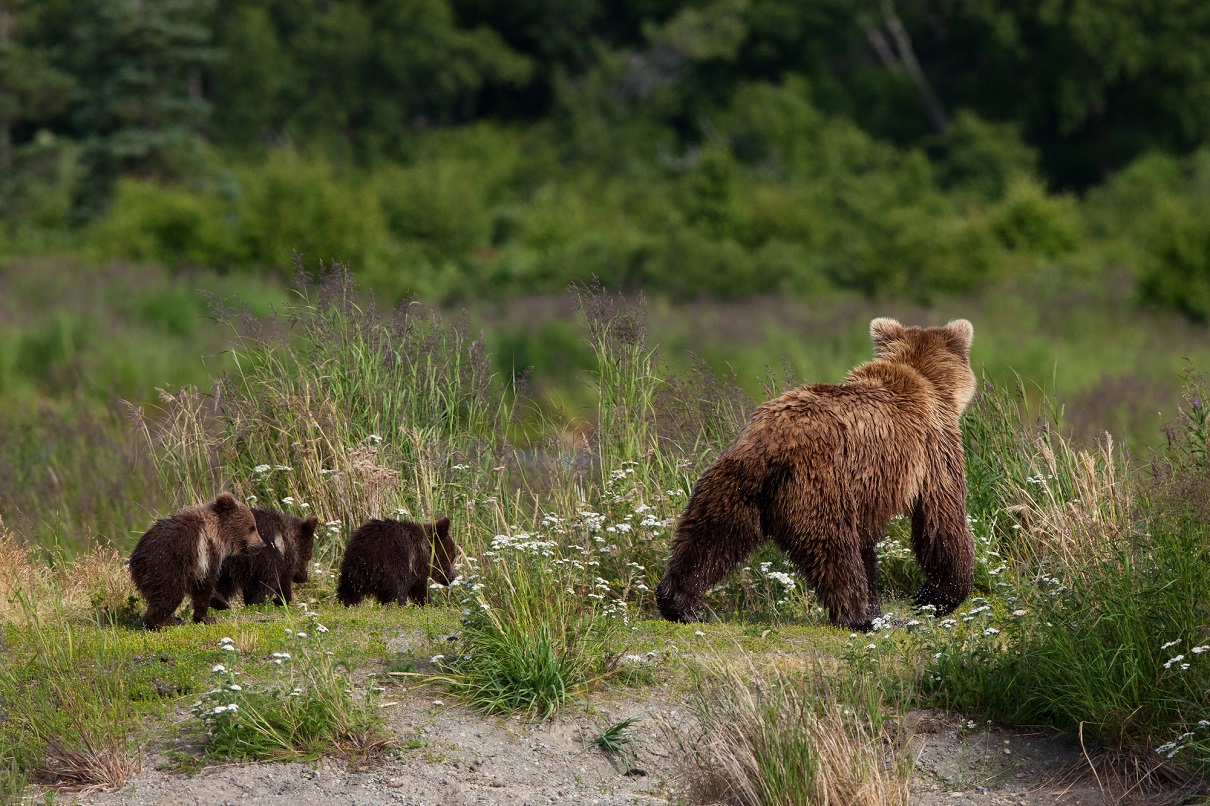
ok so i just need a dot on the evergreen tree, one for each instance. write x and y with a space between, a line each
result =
139 106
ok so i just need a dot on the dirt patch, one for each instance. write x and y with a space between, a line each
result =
446 753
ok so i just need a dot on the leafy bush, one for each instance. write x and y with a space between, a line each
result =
1029 220
170 225
1176 271
296 204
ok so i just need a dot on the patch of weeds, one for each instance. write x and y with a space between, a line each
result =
13 782
538 628
306 706
791 738
615 740
64 726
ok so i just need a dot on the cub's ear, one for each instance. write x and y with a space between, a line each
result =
442 526
310 524
883 331
225 502
961 333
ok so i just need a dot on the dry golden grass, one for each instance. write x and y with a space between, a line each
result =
791 738
91 764
1073 502
96 582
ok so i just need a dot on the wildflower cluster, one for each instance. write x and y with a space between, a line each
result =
300 706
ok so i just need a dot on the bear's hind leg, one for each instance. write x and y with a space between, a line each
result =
944 548
839 575
160 614
704 551
419 592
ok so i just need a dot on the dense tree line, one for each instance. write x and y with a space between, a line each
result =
909 122
1090 84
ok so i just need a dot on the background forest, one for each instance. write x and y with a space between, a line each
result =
769 173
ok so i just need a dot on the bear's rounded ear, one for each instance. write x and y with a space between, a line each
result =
961 333
883 331
310 524
442 526
225 502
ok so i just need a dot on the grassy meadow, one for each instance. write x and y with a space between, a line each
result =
563 485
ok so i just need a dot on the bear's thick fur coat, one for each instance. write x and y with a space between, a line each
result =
268 573
393 560
823 468
182 555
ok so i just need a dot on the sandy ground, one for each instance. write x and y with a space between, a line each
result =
448 754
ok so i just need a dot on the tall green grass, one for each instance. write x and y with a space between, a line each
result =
1100 622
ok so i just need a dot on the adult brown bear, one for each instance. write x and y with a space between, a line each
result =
823 468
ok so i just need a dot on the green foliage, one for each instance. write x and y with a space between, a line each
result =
292 204
539 629
138 104
1176 273
63 726
1027 220
983 158
173 226
1097 627
302 709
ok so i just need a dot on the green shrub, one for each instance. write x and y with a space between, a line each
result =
1029 220
170 225
439 204
1176 268
296 204
982 158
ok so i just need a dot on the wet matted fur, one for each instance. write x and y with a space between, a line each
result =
268 573
182 555
393 560
823 468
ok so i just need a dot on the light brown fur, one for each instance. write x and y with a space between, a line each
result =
823 468
182 554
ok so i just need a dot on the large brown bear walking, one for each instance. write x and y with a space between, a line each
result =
269 573
393 560
182 554
823 468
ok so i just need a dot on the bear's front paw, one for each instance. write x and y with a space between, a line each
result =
203 619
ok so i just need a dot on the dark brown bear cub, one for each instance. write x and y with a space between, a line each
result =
393 560
823 468
183 554
268 573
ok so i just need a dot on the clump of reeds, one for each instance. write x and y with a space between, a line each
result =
791 738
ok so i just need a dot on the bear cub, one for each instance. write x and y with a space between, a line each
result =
393 561
823 468
183 554
269 573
